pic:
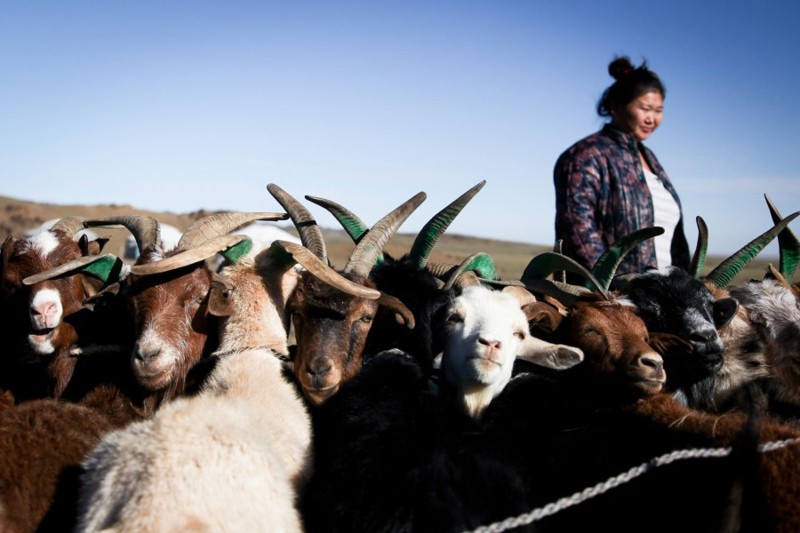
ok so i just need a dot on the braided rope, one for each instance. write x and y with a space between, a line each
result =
615 481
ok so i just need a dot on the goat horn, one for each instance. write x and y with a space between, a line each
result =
188 257
429 234
722 275
362 259
75 265
479 263
467 278
323 272
700 252
565 293
609 260
403 313
212 226
559 275
70 225
352 225
145 229
546 263
440 270
520 293
789 246
310 233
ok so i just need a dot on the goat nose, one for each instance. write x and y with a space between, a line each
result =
703 335
145 354
319 369
45 308
490 343
653 361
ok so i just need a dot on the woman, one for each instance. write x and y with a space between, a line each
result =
609 184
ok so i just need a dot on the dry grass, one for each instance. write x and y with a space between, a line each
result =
511 258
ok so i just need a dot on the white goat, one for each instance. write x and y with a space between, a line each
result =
230 458
486 331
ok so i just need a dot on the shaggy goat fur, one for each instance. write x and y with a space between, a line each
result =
229 458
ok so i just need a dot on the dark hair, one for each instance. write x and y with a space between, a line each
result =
632 82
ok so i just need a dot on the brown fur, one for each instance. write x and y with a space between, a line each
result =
331 330
42 444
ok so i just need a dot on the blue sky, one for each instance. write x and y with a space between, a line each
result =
179 106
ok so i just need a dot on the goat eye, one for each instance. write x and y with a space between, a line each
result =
367 319
455 318
520 335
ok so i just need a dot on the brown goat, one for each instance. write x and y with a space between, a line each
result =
43 288
332 311
596 420
42 445
167 292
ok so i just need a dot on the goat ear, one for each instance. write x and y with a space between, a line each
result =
93 247
92 301
724 310
555 356
543 316
401 313
219 297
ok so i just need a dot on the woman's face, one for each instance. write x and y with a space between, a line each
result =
641 116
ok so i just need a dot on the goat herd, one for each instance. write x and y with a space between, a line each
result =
274 392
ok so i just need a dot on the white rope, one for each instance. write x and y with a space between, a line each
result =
613 482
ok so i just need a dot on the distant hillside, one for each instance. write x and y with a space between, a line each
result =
511 258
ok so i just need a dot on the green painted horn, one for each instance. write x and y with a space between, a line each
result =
352 225
545 263
724 273
479 263
609 260
700 252
429 234
788 244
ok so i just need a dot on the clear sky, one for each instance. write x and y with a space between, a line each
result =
185 105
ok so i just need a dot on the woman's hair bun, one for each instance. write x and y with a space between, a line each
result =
620 67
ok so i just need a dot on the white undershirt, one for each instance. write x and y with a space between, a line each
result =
666 214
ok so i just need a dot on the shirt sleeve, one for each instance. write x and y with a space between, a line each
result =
578 180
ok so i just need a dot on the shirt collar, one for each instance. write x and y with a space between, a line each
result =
620 136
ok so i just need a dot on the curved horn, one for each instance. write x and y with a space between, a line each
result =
788 245
70 225
481 264
110 262
323 272
546 263
429 234
310 233
609 260
188 257
559 275
352 225
145 229
211 226
565 293
402 313
467 279
366 252
722 275
700 252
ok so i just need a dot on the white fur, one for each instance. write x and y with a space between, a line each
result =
228 459
487 330
45 313
44 243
